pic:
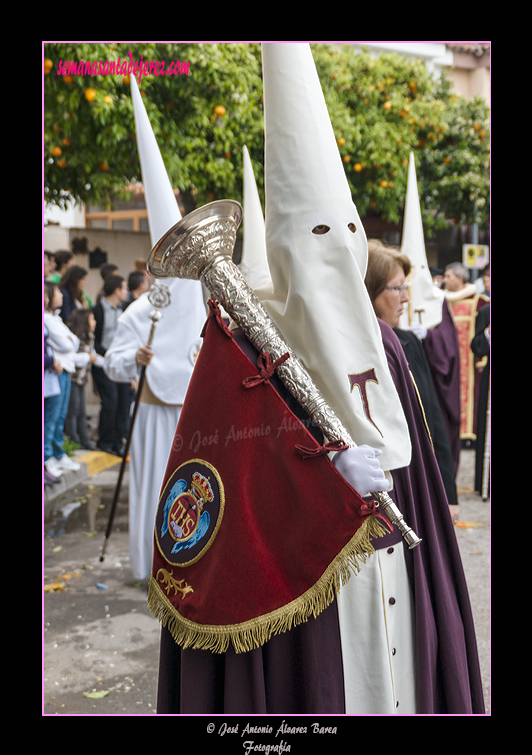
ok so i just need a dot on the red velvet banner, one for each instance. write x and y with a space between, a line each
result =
252 533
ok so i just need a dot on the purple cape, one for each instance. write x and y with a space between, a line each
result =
443 356
301 671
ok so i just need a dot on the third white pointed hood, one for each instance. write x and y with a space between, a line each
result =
254 263
422 292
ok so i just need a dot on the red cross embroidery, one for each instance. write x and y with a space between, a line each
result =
360 379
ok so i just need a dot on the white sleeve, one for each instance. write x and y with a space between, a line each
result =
81 358
120 358
60 338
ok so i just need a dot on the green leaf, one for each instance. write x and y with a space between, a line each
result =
96 694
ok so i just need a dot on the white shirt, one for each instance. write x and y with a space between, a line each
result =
64 343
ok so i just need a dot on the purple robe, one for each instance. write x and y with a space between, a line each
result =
448 669
300 671
443 356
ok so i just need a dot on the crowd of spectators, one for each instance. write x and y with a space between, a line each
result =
77 332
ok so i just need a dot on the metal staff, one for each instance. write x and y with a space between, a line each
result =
409 277
487 445
200 247
159 297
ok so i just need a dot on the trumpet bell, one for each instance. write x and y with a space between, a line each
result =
197 241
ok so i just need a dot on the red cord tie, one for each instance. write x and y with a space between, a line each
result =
214 311
266 367
372 507
311 453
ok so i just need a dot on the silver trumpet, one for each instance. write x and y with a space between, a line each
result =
200 247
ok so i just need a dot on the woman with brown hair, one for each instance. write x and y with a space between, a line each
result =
72 287
386 281
386 277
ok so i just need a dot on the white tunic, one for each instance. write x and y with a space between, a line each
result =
377 633
155 424
151 443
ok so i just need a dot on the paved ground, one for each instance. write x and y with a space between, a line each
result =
474 539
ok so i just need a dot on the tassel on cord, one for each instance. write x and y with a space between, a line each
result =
251 634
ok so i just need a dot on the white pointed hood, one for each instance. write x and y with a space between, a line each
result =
423 294
163 210
254 263
177 335
317 256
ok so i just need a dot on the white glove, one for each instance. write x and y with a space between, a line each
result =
417 329
361 469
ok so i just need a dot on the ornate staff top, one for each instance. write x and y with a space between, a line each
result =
159 297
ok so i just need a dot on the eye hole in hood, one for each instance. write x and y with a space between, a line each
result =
320 230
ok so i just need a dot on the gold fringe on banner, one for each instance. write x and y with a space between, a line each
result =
255 632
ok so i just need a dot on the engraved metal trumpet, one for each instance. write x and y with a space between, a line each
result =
200 247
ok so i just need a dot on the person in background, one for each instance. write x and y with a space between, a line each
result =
51 392
48 265
437 276
486 281
107 269
141 267
65 347
82 323
168 362
137 284
115 396
466 303
63 260
72 286
480 346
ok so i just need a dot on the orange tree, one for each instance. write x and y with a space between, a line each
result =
382 108
202 107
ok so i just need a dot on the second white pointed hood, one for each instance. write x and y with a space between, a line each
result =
317 256
177 335
254 263
424 296
161 203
